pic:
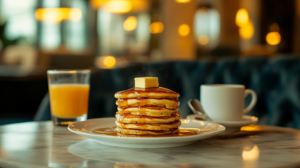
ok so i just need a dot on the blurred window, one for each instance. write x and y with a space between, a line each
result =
20 18
123 27
143 34
111 32
75 29
207 27
121 34
50 31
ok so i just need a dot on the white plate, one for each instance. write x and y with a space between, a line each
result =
204 130
247 120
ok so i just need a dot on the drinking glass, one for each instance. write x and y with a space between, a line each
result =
69 93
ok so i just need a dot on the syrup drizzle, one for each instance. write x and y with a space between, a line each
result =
142 125
142 111
149 107
140 118
128 115
172 103
111 131
144 92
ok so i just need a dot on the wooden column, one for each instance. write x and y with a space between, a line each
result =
296 47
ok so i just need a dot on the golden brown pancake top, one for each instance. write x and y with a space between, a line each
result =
158 92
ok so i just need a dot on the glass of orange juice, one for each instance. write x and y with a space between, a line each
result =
69 93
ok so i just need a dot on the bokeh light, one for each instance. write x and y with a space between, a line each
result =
75 14
247 31
109 61
250 155
58 14
203 39
118 6
156 27
184 30
182 1
251 128
97 3
273 38
130 23
242 18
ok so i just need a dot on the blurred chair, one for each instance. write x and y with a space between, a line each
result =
276 81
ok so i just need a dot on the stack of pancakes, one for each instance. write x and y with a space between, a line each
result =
151 111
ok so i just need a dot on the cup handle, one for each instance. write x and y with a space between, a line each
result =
253 101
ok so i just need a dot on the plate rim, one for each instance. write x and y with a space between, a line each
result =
220 129
234 124
250 119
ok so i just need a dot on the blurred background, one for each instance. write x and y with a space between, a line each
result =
111 35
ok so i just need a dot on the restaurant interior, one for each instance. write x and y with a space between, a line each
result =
185 43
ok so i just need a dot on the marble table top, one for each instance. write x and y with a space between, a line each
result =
40 144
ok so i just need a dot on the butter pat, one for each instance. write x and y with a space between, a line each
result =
146 82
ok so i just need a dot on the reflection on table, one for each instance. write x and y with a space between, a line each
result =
39 144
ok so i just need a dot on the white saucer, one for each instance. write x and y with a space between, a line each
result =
247 120
204 129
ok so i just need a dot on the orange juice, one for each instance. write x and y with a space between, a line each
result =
69 100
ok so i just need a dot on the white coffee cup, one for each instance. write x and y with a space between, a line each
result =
226 102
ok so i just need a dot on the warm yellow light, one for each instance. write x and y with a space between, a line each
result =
50 14
250 155
118 6
58 14
97 3
109 61
203 39
247 31
182 1
242 18
130 23
75 14
184 30
251 128
134 5
156 27
273 38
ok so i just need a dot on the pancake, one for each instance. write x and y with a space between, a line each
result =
140 119
159 92
153 127
124 132
148 111
168 103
